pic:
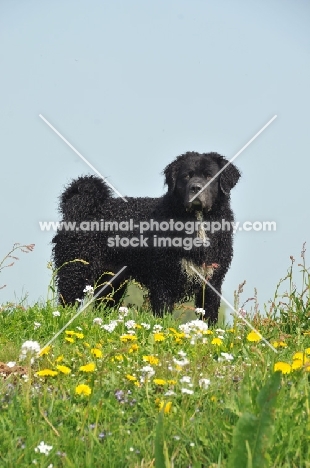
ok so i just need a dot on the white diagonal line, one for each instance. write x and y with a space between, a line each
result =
83 308
234 157
82 157
234 310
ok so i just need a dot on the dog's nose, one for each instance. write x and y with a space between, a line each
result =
195 188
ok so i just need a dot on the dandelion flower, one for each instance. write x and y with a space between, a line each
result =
96 352
69 339
125 338
88 367
63 369
284 367
83 389
217 341
151 360
279 344
299 355
159 337
159 382
253 336
59 358
134 347
166 406
45 350
70 332
297 364
46 373
132 378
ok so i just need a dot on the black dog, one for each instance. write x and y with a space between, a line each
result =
163 241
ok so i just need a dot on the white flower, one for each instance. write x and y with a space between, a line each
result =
227 356
204 383
110 327
187 390
147 326
157 328
31 347
194 326
43 448
200 311
176 437
36 325
78 300
56 313
88 289
130 324
169 393
97 321
182 363
11 364
148 370
182 353
192 444
123 311
220 330
185 379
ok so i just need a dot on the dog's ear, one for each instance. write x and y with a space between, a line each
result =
170 172
229 176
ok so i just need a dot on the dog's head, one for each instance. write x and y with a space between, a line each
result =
199 178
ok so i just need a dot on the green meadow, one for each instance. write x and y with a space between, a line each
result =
120 388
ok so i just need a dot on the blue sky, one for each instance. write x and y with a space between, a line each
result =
132 85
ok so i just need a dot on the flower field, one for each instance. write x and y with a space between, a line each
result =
124 389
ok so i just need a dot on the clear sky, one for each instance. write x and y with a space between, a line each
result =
132 84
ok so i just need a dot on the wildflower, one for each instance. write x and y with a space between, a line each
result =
213 398
227 356
83 389
159 337
11 364
87 345
159 382
187 390
80 336
148 371
134 347
64 369
36 325
299 355
125 338
43 448
110 327
45 350
119 357
151 360
97 321
220 330
165 406
96 352
147 326
46 373
217 341
307 350
169 393
185 379
88 289
132 378
200 311
70 332
182 362
157 328
59 359
29 347
88 367
69 339
297 364
279 344
171 382
130 324
56 313
182 354
204 383
123 310
284 367
254 336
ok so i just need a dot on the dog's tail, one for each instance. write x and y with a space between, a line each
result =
83 198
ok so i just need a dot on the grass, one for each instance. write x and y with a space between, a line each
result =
128 390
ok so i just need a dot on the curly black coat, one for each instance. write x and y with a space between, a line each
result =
165 261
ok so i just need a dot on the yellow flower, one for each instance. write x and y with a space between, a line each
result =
46 373
284 367
70 332
125 338
131 377
307 350
138 326
297 364
133 348
159 381
171 382
299 355
83 389
80 336
213 398
45 350
178 367
70 340
279 344
119 357
207 332
63 369
159 337
151 360
231 330
60 358
253 336
173 330
96 352
87 345
88 367
166 406
217 341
